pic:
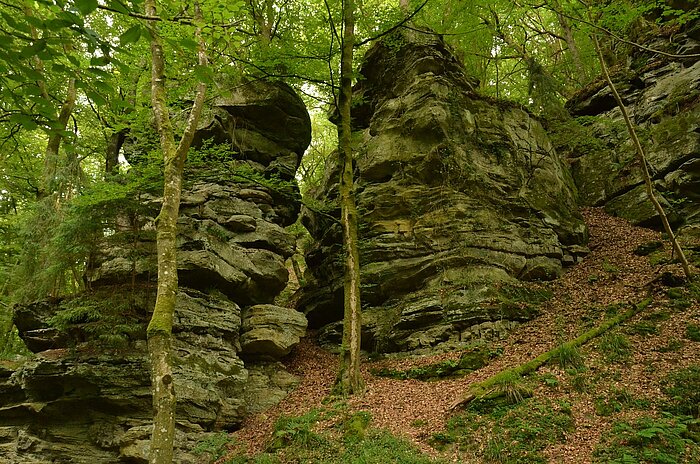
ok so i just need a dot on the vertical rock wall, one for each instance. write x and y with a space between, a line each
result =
662 95
85 397
460 197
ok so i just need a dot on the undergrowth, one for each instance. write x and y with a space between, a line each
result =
507 433
349 439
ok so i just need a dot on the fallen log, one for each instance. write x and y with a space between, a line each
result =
487 389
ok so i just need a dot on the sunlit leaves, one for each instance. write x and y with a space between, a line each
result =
131 35
85 7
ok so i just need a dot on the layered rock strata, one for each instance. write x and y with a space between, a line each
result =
662 96
460 197
86 396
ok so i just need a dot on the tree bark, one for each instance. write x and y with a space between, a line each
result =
642 161
350 379
114 146
579 74
159 330
51 162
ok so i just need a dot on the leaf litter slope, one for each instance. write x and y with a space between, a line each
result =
609 275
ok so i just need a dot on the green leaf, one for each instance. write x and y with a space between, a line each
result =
132 35
96 97
204 73
118 6
187 43
103 87
33 49
14 24
100 60
86 6
25 121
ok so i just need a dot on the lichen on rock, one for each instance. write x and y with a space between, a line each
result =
87 395
459 196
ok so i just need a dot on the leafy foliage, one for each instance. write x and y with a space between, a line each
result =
648 439
516 433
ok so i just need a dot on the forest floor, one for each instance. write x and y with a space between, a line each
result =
627 396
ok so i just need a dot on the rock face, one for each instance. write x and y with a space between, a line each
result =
459 196
271 331
663 97
86 397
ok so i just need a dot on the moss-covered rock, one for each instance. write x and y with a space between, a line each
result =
457 194
663 98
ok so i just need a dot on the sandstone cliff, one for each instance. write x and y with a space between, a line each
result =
460 197
85 397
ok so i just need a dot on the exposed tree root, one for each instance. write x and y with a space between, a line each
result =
488 389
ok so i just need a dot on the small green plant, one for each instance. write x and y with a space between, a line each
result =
657 316
296 431
593 278
515 433
550 380
673 345
692 332
513 388
214 446
568 356
616 401
355 426
615 347
579 382
683 390
643 328
417 423
609 268
649 439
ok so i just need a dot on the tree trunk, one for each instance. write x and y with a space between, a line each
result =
642 161
159 330
350 379
51 162
579 74
114 146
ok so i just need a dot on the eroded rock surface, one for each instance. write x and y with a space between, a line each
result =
460 197
86 397
662 96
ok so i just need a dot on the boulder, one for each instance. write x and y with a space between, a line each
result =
459 197
271 331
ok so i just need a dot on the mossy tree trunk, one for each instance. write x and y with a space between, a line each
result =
159 330
349 379
641 156
488 388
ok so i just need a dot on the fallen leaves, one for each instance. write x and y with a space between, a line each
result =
611 274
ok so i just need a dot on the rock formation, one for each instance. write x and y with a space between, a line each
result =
460 197
663 98
86 396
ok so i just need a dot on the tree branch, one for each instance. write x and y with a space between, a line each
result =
393 28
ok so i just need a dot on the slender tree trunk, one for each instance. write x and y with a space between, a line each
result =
350 379
579 74
114 146
642 161
51 162
159 330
